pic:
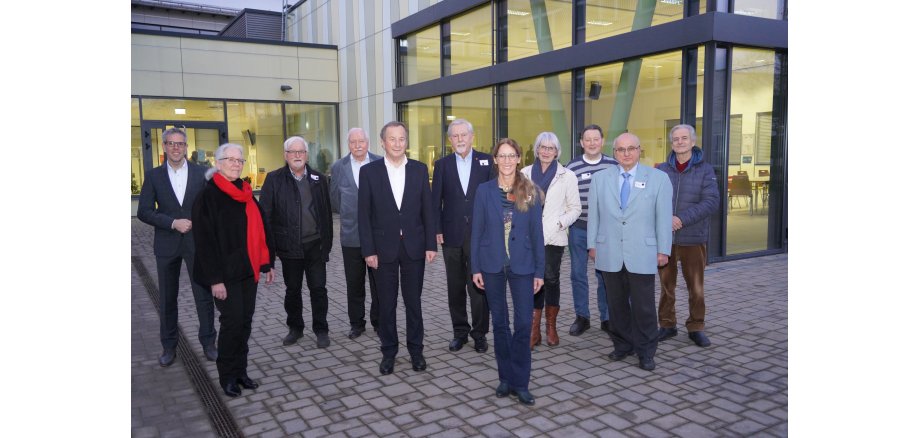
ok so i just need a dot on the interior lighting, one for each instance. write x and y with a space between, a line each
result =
518 13
451 117
599 23
460 33
180 111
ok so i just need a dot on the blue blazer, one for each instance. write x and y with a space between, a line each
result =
487 245
453 208
634 236
158 206
380 221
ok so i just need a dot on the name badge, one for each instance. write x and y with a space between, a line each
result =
315 177
639 184
483 162
586 175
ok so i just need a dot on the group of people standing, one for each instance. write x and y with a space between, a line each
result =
500 227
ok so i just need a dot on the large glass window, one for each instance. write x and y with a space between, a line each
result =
258 128
183 109
760 8
471 40
476 107
606 18
537 105
317 125
423 118
747 193
538 26
641 96
420 56
137 160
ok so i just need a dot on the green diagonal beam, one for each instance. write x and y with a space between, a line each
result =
629 78
551 83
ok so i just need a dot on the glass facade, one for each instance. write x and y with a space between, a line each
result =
476 107
537 26
606 18
420 56
470 41
137 160
537 105
772 9
426 133
257 127
318 125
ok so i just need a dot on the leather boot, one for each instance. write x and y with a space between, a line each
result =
535 328
552 338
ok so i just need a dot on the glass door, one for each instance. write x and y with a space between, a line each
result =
203 140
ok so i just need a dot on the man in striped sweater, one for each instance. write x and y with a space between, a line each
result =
593 160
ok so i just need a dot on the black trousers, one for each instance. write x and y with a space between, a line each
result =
633 314
388 275
549 293
355 270
168 271
235 326
459 286
313 264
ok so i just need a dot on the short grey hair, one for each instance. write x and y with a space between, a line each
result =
296 138
547 136
456 122
361 130
220 154
175 130
687 127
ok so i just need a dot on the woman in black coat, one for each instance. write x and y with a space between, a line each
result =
233 246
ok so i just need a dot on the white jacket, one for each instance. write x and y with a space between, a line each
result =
562 205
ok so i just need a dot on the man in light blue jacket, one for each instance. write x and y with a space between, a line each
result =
629 236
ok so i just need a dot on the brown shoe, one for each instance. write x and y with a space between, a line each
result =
535 328
552 338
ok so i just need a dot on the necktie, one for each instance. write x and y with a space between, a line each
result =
624 191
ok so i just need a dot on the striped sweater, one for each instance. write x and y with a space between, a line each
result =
583 170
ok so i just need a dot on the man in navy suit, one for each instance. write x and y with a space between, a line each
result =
453 190
166 203
397 229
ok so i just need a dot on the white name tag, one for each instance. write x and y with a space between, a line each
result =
483 162
315 177
639 184
586 175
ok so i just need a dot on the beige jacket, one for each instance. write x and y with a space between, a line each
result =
561 207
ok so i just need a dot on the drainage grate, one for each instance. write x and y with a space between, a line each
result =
221 419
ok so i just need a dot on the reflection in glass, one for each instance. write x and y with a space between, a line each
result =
423 118
537 105
258 127
538 26
183 109
137 160
640 96
420 56
760 8
316 124
471 40
606 18
747 192
476 107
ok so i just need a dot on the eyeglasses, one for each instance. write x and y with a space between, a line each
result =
547 148
175 144
235 161
624 151
506 156
297 153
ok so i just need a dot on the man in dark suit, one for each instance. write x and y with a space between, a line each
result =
166 203
397 230
453 190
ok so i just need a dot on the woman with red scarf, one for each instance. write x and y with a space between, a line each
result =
232 248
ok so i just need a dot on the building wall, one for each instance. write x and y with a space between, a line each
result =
176 66
361 30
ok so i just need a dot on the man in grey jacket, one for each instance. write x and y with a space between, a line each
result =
344 193
696 198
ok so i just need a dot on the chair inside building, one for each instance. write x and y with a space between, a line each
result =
739 186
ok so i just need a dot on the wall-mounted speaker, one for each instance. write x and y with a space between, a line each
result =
595 92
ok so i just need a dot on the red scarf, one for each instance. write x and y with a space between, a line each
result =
255 233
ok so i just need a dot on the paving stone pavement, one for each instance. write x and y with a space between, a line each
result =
736 387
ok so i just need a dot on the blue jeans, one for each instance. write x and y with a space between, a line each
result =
512 350
578 253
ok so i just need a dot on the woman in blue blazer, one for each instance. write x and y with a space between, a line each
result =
507 248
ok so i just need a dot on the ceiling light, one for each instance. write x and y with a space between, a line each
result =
528 40
460 33
760 60
673 2
518 13
451 117
599 23
180 111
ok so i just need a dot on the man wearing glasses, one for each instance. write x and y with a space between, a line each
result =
629 237
166 204
295 199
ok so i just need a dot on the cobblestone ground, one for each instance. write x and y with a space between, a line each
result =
736 387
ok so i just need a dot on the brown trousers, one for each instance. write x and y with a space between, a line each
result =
693 262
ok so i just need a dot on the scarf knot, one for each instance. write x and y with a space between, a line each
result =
255 230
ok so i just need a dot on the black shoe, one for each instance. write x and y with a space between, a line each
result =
666 333
247 383
386 366
647 363
168 357
210 353
322 340
480 345
503 390
581 324
293 335
524 397
418 363
232 390
700 339
456 344
619 355
355 332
